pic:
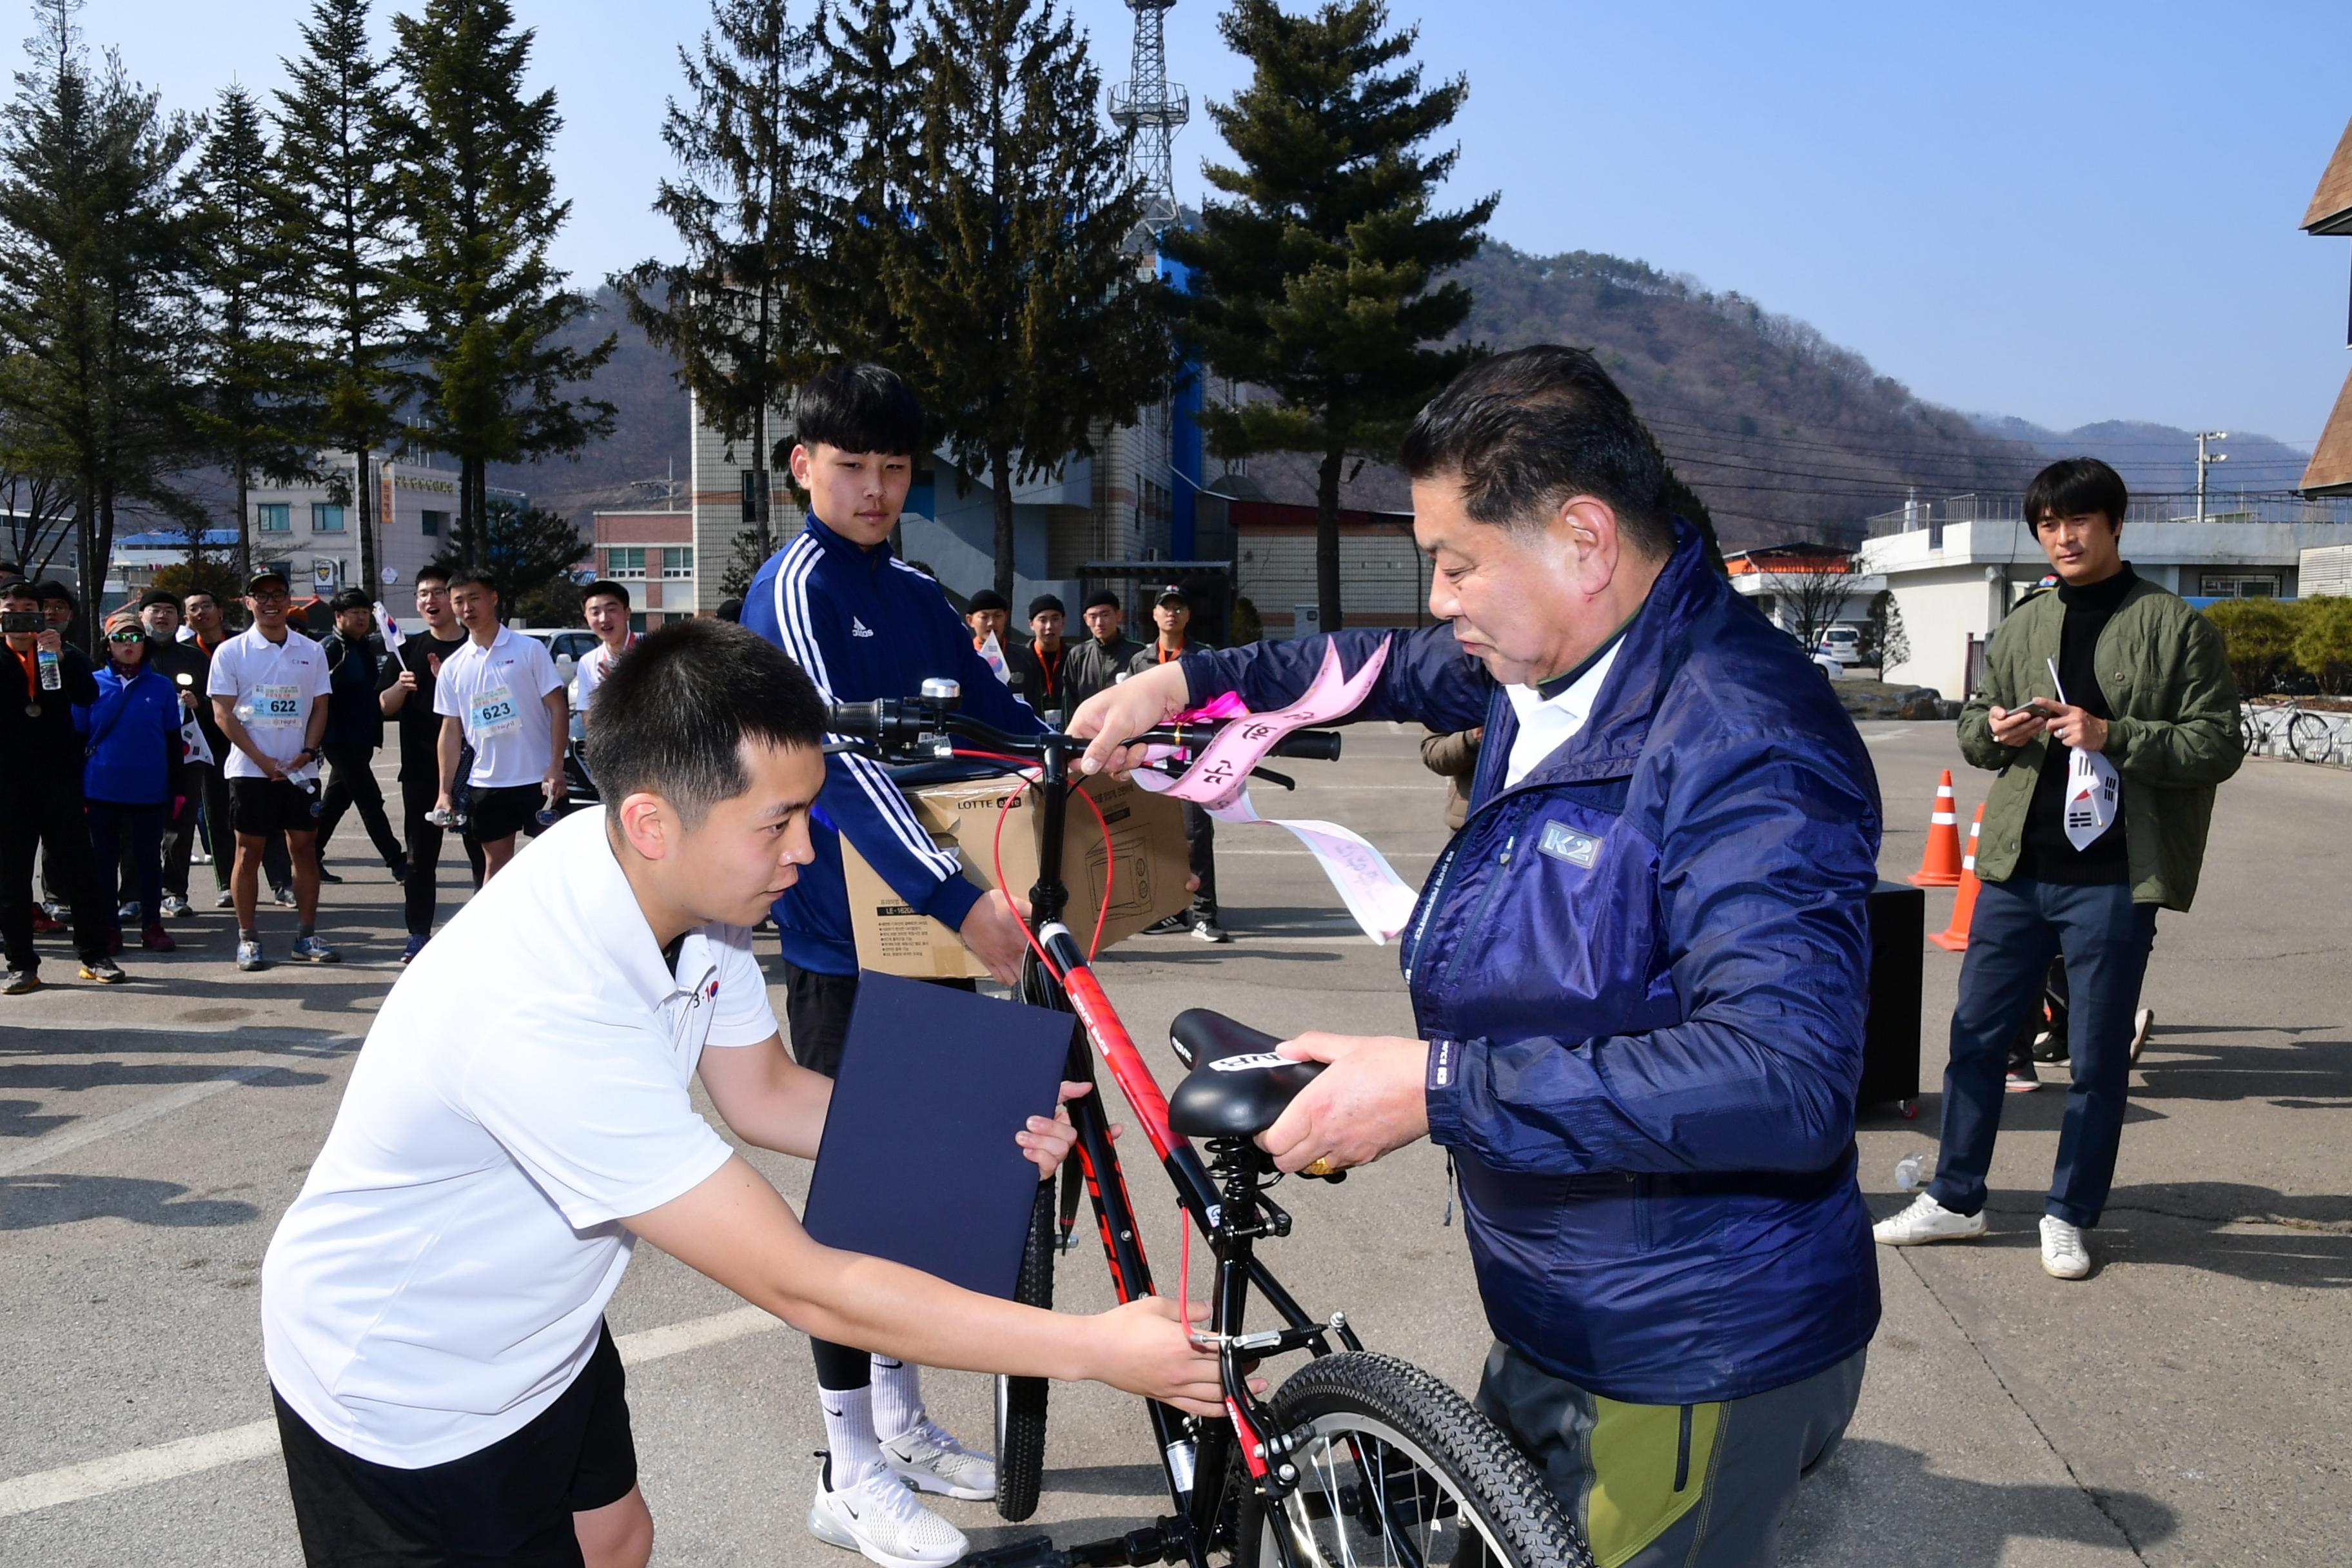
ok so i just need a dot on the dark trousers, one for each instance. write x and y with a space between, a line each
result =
422 892
350 782
129 836
45 817
1200 839
179 825
2019 926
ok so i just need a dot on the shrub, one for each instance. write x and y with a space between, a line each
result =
2323 642
2258 635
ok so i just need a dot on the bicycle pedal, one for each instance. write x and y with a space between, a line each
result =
1037 1552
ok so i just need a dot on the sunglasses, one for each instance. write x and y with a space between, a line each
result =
127 635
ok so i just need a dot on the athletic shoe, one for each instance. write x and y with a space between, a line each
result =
311 950
929 1460
327 875
45 923
2143 1026
416 945
155 939
1209 930
248 956
200 857
399 870
2064 1254
225 900
16 982
878 1517
129 912
1174 925
2022 1080
105 971
1927 1220
284 896
177 906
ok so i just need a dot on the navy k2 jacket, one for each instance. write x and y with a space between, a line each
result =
1643 970
865 625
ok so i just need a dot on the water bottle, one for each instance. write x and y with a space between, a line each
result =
52 676
1910 1172
546 815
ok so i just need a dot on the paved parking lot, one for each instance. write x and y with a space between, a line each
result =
2186 1406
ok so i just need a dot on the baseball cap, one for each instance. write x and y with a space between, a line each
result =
1172 594
253 583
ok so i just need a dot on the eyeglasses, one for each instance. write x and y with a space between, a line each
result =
127 635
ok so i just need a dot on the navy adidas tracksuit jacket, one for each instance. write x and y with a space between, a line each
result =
865 625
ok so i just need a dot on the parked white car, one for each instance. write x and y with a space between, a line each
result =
1843 644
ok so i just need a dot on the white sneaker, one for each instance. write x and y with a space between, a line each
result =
929 1460
2143 1026
1927 1220
878 1517
225 901
2065 1256
248 956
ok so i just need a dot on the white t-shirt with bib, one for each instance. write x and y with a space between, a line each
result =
495 692
443 1275
594 667
275 684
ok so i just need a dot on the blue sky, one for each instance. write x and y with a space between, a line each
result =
2066 212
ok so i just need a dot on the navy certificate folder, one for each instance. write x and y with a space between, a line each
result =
918 1163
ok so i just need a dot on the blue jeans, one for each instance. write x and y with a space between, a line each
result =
2019 926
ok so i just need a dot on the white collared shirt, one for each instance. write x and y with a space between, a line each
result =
443 1275
594 667
1547 725
497 693
275 684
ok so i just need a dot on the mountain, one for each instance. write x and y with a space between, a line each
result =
2159 459
631 466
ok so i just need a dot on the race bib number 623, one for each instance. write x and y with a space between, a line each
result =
492 712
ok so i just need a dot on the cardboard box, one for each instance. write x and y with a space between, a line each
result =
1147 833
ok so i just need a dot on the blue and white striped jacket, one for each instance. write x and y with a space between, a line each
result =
865 624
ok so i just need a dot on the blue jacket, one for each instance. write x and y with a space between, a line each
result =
1644 971
133 732
865 625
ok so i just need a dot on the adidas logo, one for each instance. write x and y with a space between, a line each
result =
858 629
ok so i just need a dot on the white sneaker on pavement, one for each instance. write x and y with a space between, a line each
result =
877 1516
2065 1255
1927 1220
2143 1023
929 1460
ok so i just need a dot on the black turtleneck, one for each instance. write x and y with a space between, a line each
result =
2045 853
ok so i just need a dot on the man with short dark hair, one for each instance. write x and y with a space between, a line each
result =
1172 612
500 694
988 615
1096 664
181 664
1036 665
1638 972
606 605
41 791
355 657
2109 710
405 695
433 1303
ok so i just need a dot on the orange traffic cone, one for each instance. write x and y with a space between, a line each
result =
1940 866
1955 938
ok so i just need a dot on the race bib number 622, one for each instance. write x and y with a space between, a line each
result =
274 707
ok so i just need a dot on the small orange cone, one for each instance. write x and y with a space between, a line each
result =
1940 866
1954 939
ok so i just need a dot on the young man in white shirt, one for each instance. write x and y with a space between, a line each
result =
268 690
501 694
607 607
432 1302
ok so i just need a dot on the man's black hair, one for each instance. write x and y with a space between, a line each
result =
1525 430
19 588
607 587
439 570
352 599
670 719
730 609
2074 486
160 597
52 591
859 408
466 574
1103 596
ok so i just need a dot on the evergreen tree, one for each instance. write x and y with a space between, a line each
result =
247 365
726 311
487 377
339 237
1313 281
1029 319
93 286
530 552
855 116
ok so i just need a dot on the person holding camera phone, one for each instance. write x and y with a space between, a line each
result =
41 808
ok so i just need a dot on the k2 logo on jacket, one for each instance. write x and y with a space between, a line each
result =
1562 842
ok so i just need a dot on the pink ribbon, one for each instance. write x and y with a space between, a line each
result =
1225 762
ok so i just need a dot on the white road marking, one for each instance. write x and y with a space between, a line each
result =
258 1439
66 1140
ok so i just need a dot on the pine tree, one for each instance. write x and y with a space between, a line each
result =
1313 281
488 379
727 310
855 116
1029 319
530 553
248 366
339 235
93 285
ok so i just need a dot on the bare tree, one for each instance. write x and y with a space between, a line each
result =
1810 585
38 516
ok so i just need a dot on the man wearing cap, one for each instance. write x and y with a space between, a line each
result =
1172 612
1096 664
988 616
1037 664
269 688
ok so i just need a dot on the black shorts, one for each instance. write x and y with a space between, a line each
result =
260 807
511 1502
504 811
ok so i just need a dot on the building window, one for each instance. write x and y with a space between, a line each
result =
437 523
624 561
275 517
326 517
2241 584
677 560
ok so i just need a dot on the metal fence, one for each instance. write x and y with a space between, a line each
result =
2220 506
2282 729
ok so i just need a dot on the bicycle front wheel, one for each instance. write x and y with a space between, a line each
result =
2306 737
1396 1470
1021 1400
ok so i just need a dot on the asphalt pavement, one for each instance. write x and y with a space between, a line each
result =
2184 1406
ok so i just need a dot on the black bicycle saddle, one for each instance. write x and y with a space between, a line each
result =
1238 1087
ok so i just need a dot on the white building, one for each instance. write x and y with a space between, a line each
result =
305 533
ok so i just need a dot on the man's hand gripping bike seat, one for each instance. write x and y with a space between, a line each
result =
1238 1087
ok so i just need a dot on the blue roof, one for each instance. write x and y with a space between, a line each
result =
212 539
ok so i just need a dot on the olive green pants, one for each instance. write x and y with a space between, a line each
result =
1671 1486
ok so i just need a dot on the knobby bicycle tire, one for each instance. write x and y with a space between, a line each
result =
2307 737
1471 1458
1021 1400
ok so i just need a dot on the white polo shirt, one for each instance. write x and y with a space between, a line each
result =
275 684
594 667
442 1274
495 692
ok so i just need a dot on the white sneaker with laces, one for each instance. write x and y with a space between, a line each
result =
2143 1025
2065 1255
1927 1220
878 1517
929 1460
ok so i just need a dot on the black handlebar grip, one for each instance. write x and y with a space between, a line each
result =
1315 745
858 720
